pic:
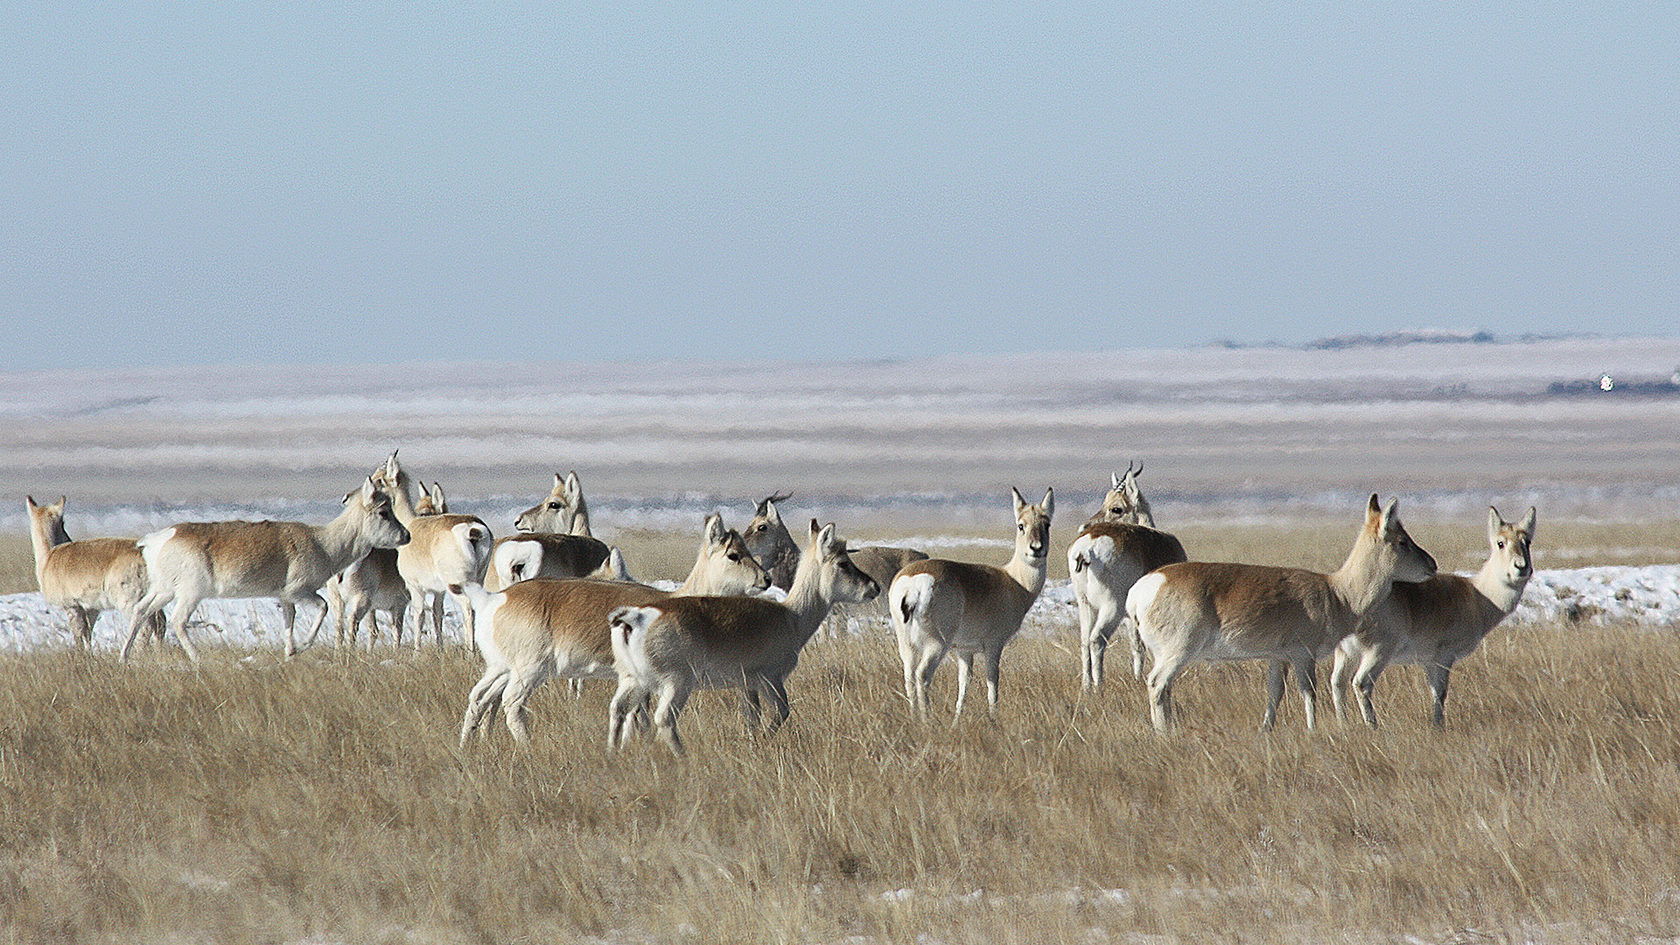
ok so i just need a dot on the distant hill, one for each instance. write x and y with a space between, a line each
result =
1394 339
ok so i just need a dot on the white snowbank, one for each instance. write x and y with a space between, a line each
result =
1648 595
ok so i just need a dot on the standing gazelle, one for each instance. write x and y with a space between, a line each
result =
1438 622
87 576
447 550
665 650
1201 611
1118 545
291 561
941 606
537 629
1103 563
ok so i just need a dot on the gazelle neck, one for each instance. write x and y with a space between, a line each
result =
1361 582
807 597
1028 572
44 540
1491 583
345 539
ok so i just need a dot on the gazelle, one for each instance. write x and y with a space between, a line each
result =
1118 545
773 545
290 561
1125 502
540 555
941 607
562 512
771 542
1201 611
1103 563
537 629
664 651
446 550
374 584
1438 622
87 576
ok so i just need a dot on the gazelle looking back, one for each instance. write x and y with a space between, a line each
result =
773 545
290 561
562 512
537 629
1113 550
1438 622
1202 611
771 542
87 576
940 606
1125 503
446 550
665 650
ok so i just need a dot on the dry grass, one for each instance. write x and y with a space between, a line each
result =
17 565
324 800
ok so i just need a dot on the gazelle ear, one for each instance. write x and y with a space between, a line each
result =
714 531
1020 503
1391 517
559 485
573 487
826 541
1494 521
436 492
816 533
1116 478
1373 511
1527 524
29 502
1049 502
369 490
391 467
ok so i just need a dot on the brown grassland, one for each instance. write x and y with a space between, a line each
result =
251 799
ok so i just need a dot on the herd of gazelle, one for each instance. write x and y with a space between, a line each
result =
552 600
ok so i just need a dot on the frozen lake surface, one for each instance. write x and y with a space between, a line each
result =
920 446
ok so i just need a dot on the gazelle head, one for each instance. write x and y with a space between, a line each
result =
1509 543
1125 504
552 514
726 566
1032 526
841 581
1393 550
371 508
47 521
391 479
766 536
432 502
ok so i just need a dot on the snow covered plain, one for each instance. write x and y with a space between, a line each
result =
1645 596
918 450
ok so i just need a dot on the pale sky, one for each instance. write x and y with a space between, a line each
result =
353 182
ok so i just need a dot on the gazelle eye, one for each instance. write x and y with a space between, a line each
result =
554 505
1502 543
734 557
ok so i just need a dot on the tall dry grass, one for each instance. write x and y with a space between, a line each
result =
250 799
17 564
